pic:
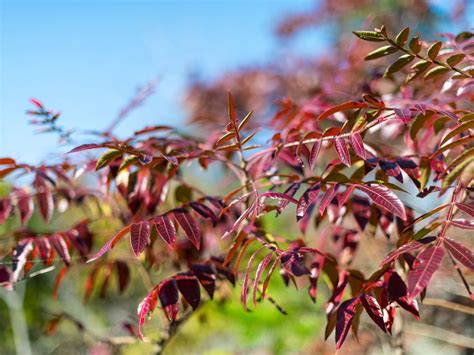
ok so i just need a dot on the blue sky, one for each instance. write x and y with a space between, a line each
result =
86 59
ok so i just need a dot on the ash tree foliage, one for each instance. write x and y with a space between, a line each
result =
334 165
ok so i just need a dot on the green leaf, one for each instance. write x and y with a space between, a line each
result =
464 36
245 120
381 52
418 123
370 36
455 59
418 69
424 231
402 36
459 129
399 64
106 158
131 159
460 158
456 172
436 71
466 118
433 51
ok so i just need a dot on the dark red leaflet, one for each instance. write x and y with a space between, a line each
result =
189 225
139 236
342 151
166 229
425 266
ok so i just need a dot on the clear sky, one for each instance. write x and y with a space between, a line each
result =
86 58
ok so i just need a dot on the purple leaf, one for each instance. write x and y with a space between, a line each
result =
409 305
277 196
342 151
166 230
391 169
374 310
139 236
204 211
382 196
464 255
189 225
345 315
169 296
308 198
188 285
206 276
424 267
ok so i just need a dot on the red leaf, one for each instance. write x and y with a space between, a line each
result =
206 276
246 277
327 198
374 310
5 208
168 295
25 206
60 245
144 308
239 220
290 191
460 253
258 274
139 236
58 281
308 197
410 305
358 145
383 197
188 285
110 244
166 230
345 315
44 249
344 196
277 196
313 155
189 225
342 151
338 291
46 204
204 211
350 105
463 223
412 246
37 103
85 147
424 267
466 208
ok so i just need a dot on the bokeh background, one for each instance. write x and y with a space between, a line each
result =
88 59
